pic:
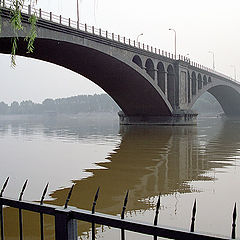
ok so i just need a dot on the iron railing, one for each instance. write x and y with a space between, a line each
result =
66 218
49 16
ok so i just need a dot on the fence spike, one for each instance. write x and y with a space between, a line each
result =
93 211
44 194
4 186
69 196
122 214
234 221
41 214
157 210
193 215
95 200
23 189
124 205
20 211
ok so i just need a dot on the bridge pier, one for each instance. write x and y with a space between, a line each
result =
178 118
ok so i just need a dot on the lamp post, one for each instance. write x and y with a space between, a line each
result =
212 59
139 36
175 41
77 11
234 68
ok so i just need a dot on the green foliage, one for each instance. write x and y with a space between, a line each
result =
13 52
32 34
16 22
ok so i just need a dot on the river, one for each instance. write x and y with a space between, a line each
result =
91 150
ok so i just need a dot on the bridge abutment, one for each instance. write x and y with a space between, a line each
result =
179 117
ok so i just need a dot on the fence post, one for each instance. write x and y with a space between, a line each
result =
50 16
65 228
40 13
1 208
1 219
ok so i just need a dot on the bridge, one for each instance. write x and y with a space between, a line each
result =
150 85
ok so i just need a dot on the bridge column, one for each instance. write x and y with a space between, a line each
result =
189 88
162 81
166 84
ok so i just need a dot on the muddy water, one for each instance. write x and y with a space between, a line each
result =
181 163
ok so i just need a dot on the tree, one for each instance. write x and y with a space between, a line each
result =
3 108
14 108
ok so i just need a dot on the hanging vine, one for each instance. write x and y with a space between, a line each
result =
32 34
16 23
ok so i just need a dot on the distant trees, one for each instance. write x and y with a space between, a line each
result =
71 105
3 108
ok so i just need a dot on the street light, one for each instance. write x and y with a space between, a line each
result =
213 59
77 11
234 68
175 41
139 36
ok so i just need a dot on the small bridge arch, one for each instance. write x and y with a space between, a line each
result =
137 60
149 66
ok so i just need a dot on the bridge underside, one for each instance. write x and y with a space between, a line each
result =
131 91
229 99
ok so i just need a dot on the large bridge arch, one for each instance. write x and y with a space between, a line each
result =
227 96
130 89
115 70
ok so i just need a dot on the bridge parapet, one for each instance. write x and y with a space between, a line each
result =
51 17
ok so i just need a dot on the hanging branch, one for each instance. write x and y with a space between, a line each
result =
32 34
16 22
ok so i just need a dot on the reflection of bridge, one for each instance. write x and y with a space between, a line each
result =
149 160
148 84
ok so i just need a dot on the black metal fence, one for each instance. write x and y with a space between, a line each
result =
66 218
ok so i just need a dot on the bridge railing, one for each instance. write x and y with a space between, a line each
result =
49 16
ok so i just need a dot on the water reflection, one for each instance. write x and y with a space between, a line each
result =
148 161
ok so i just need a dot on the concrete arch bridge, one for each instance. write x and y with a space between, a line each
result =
150 85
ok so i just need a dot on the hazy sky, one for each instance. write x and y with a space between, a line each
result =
202 26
